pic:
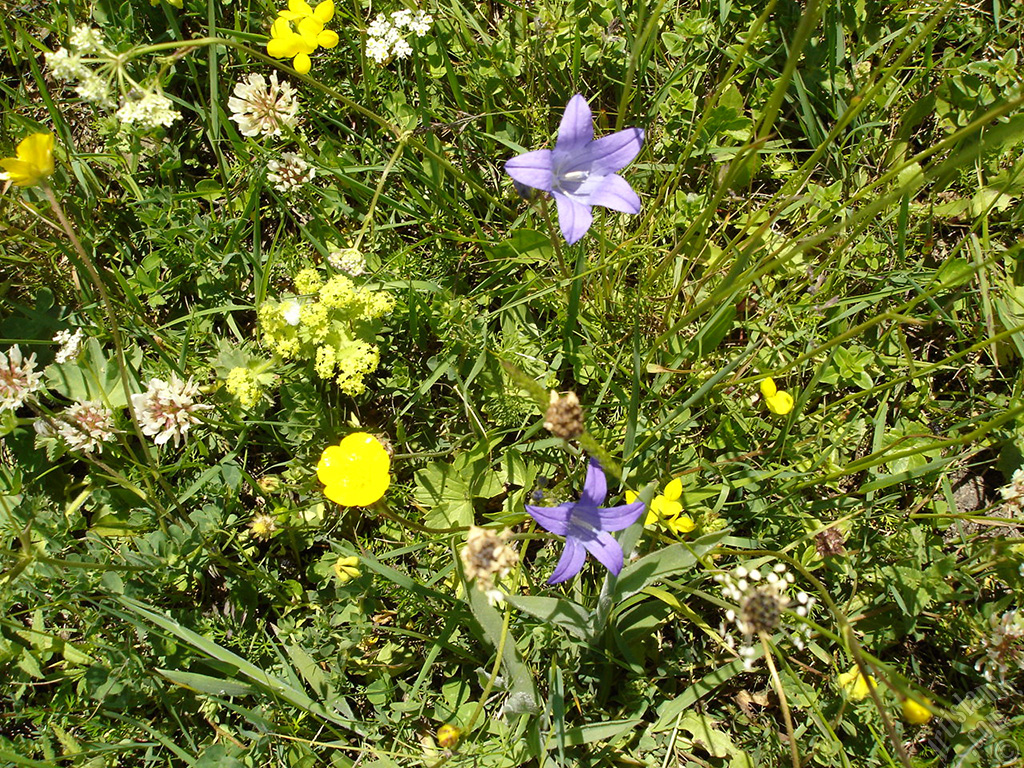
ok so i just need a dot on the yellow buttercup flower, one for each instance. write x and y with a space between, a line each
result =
916 713
854 684
346 569
356 471
33 163
299 31
666 509
778 401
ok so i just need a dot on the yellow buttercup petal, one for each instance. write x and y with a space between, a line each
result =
674 489
324 11
284 47
915 713
631 496
34 161
780 403
356 472
327 39
680 524
665 507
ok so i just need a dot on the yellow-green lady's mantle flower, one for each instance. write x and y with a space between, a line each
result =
33 163
666 510
356 472
299 31
778 401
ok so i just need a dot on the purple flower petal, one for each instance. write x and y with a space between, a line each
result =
553 519
571 562
532 169
606 550
613 153
595 488
574 218
614 192
618 518
576 130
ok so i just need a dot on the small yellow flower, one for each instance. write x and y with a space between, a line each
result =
778 401
356 471
308 33
666 509
346 569
448 735
33 163
916 713
854 684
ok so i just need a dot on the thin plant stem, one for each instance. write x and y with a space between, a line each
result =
777 683
554 238
115 333
368 218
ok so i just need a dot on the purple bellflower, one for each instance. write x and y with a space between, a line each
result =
581 172
585 525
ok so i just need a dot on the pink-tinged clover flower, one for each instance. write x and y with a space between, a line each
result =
580 172
586 525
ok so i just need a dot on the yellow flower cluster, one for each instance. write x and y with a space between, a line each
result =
34 161
333 324
666 511
356 472
243 385
299 31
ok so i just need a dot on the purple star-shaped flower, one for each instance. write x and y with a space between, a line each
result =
585 525
581 172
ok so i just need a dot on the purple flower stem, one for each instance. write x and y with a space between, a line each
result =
553 235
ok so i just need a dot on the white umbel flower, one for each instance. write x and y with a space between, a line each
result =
762 606
86 40
167 409
86 426
64 65
152 110
261 109
18 378
290 172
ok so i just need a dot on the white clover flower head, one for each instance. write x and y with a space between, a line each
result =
152 110
70 345
64 65
94 89
86 426
289 173
167 409
347 260
86 39
18 378
263 109
1003 648
763 601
